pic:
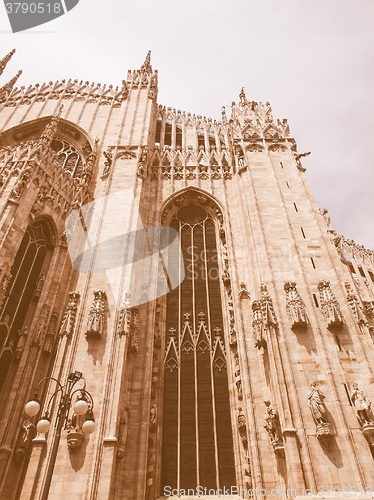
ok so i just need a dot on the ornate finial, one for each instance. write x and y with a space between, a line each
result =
5 61
146 67
51 128
242 97
9 86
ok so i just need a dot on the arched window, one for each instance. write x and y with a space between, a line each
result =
26 271
197 444
67 156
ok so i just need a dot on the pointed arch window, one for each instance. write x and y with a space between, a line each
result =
197 434
30 259
67 156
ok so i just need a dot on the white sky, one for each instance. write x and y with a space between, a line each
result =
313 60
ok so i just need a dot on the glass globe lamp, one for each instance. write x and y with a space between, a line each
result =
88 426
43 425
80 406
32 407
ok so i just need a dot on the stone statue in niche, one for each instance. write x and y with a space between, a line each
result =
317 405
243 292
239 157
39 286
28 432
242 426
68 320
361 405
122 433
319 413
273 428
272 424
258 324
108 163
226 278
153 417
247 472
239 388
22 337
221 229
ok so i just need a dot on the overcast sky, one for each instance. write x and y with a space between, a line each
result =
313 60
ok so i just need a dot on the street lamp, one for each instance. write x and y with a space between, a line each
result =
82 421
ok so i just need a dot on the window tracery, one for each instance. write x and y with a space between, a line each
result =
67 156
26 271
197 431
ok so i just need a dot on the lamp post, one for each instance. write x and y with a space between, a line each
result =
82 419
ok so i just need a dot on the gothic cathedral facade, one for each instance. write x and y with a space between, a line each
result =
250 373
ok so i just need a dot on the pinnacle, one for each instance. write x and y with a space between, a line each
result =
242 96
51 128
5 61
146 67
9 86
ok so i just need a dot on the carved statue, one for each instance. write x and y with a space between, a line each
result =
28 432
362 405
226 277
39 286
67 323
108 163
326 217
258 324
242 426
239 388
317 405
241 418
298 157
142 161
272 424
20 186
122 433
134 330
153 417
243 292
22 337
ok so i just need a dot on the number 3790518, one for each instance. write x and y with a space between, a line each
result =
33 8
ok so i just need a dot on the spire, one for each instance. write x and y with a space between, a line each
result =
9 86
51 128
146 67
143 78
5 61
242 96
